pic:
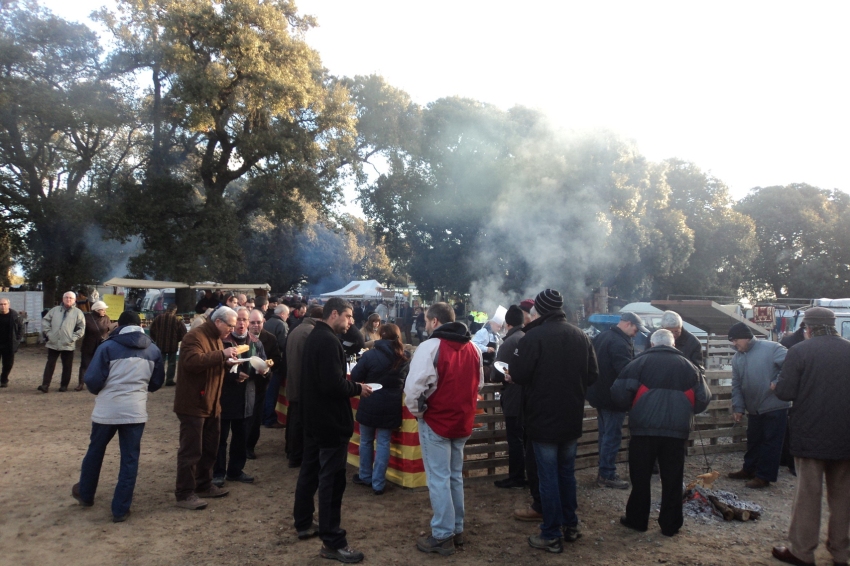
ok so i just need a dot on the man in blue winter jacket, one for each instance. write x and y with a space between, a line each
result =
124 369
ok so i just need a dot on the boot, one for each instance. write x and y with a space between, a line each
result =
81 386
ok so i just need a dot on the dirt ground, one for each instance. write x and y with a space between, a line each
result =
43 439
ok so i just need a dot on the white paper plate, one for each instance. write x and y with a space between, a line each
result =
375 386
258 363
500 366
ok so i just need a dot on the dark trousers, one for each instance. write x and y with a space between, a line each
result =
670 453
171 366
531 474
67 366
130 441
516 448
294 433
85 360
238 448
267 408
765 434
8 356
199 438
257 419
786 459
322 469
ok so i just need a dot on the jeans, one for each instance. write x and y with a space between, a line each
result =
670 454
8 356
377 476
272 391
556 469
516 449
610 437
129 440
238 448
531 473
322 469
171 366
765 434
443 460
67 362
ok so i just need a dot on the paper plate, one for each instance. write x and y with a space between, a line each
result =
500 366
375 386
258 363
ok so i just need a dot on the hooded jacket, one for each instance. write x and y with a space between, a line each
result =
63 327
662 390
124 369
752 373
555 364
511 398
814 377
614 350
445 375
325 391
381 409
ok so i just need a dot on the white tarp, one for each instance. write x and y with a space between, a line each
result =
361 290
232 286
147 284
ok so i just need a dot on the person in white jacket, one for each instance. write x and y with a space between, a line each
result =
62 326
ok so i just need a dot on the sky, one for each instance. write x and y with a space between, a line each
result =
756 93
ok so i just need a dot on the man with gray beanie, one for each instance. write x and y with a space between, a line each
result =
555 364
814 378
614 350
755 369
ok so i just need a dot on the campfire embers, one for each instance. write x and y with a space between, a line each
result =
709 503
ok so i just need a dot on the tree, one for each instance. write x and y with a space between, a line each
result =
803 241
236 94
58 114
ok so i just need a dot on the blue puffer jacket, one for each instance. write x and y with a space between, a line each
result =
124 369
662 390
381 409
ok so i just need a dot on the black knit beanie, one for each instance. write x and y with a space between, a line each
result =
514 316
548 301
129 318
740 330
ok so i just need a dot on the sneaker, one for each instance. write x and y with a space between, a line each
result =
552 545
193 503
243 477
528 514
757 483
741 475
345 554
443 547
377 491
309 532
120 518
615 482
571 534
355 479
509 483
218 481
75 493
626 523
214 492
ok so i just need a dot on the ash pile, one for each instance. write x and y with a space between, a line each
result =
700 501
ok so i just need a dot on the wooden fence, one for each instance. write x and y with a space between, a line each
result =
486 452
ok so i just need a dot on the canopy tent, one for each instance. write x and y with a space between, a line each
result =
363 290
144 284
714 318
147 284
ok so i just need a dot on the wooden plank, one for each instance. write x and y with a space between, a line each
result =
718 448
485 448
485 463
718 433
719 404
584 462
489 404
485 434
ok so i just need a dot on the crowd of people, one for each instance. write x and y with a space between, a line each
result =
241 353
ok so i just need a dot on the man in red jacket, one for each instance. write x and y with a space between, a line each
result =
442 391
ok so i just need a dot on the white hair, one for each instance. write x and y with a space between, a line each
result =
223 313
663 338
73 294
281 308
671 319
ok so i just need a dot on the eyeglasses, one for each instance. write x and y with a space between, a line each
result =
230 326
256 322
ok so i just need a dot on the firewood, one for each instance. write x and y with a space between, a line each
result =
741 514
725 510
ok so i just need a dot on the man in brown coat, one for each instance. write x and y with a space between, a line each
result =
167 331
203 361
294 350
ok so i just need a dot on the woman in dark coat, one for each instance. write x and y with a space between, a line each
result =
98 327
380 413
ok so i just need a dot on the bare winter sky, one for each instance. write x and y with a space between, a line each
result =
754 92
